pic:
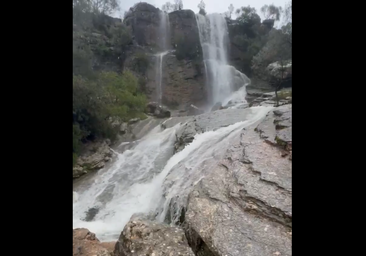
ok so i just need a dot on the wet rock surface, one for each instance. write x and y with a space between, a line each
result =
209 122
243 206
144 237
85 243
95 157
269 98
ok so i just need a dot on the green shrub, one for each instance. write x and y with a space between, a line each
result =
141 63
111 95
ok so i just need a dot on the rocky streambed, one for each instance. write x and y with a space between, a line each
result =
242 205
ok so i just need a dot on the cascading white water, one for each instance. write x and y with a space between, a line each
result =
159 75
222 78
124 188
188 167
148 177
164 41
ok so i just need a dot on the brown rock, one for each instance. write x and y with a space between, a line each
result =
144 237
85 243
109 246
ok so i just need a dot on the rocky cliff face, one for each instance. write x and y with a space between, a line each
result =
183 79
99 38
143 19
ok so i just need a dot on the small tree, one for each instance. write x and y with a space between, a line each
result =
271 12
247 15
231 10
288 12
168 7
201 6
104 6
178 5
277 81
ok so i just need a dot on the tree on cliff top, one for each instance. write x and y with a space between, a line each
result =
271 12
96 6
231 10
169 7
247 15
179 4
288 12
201 6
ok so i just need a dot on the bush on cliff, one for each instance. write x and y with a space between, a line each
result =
97 101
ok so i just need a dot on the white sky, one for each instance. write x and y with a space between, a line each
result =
212 6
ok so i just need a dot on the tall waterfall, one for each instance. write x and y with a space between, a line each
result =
164 46
223 79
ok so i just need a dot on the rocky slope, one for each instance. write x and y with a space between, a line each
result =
244 205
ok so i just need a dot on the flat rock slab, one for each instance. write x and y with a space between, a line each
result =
243 206
209 122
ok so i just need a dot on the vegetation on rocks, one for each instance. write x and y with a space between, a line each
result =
102 92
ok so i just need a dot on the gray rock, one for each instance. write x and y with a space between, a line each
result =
123 128
157 110
144 237
209 121
95 157
243 206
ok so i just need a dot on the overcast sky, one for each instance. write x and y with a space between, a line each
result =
212 6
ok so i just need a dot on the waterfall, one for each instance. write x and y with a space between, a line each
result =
223 79
126 187
149 178
159 75
186 168
164 46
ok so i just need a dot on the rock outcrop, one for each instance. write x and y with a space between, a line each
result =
157 110
143 19
86 243
208 122
244 205
94 157
143 237
99 34
183 82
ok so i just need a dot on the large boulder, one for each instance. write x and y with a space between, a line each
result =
95 157
243 206
157 110
144 237
87 244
